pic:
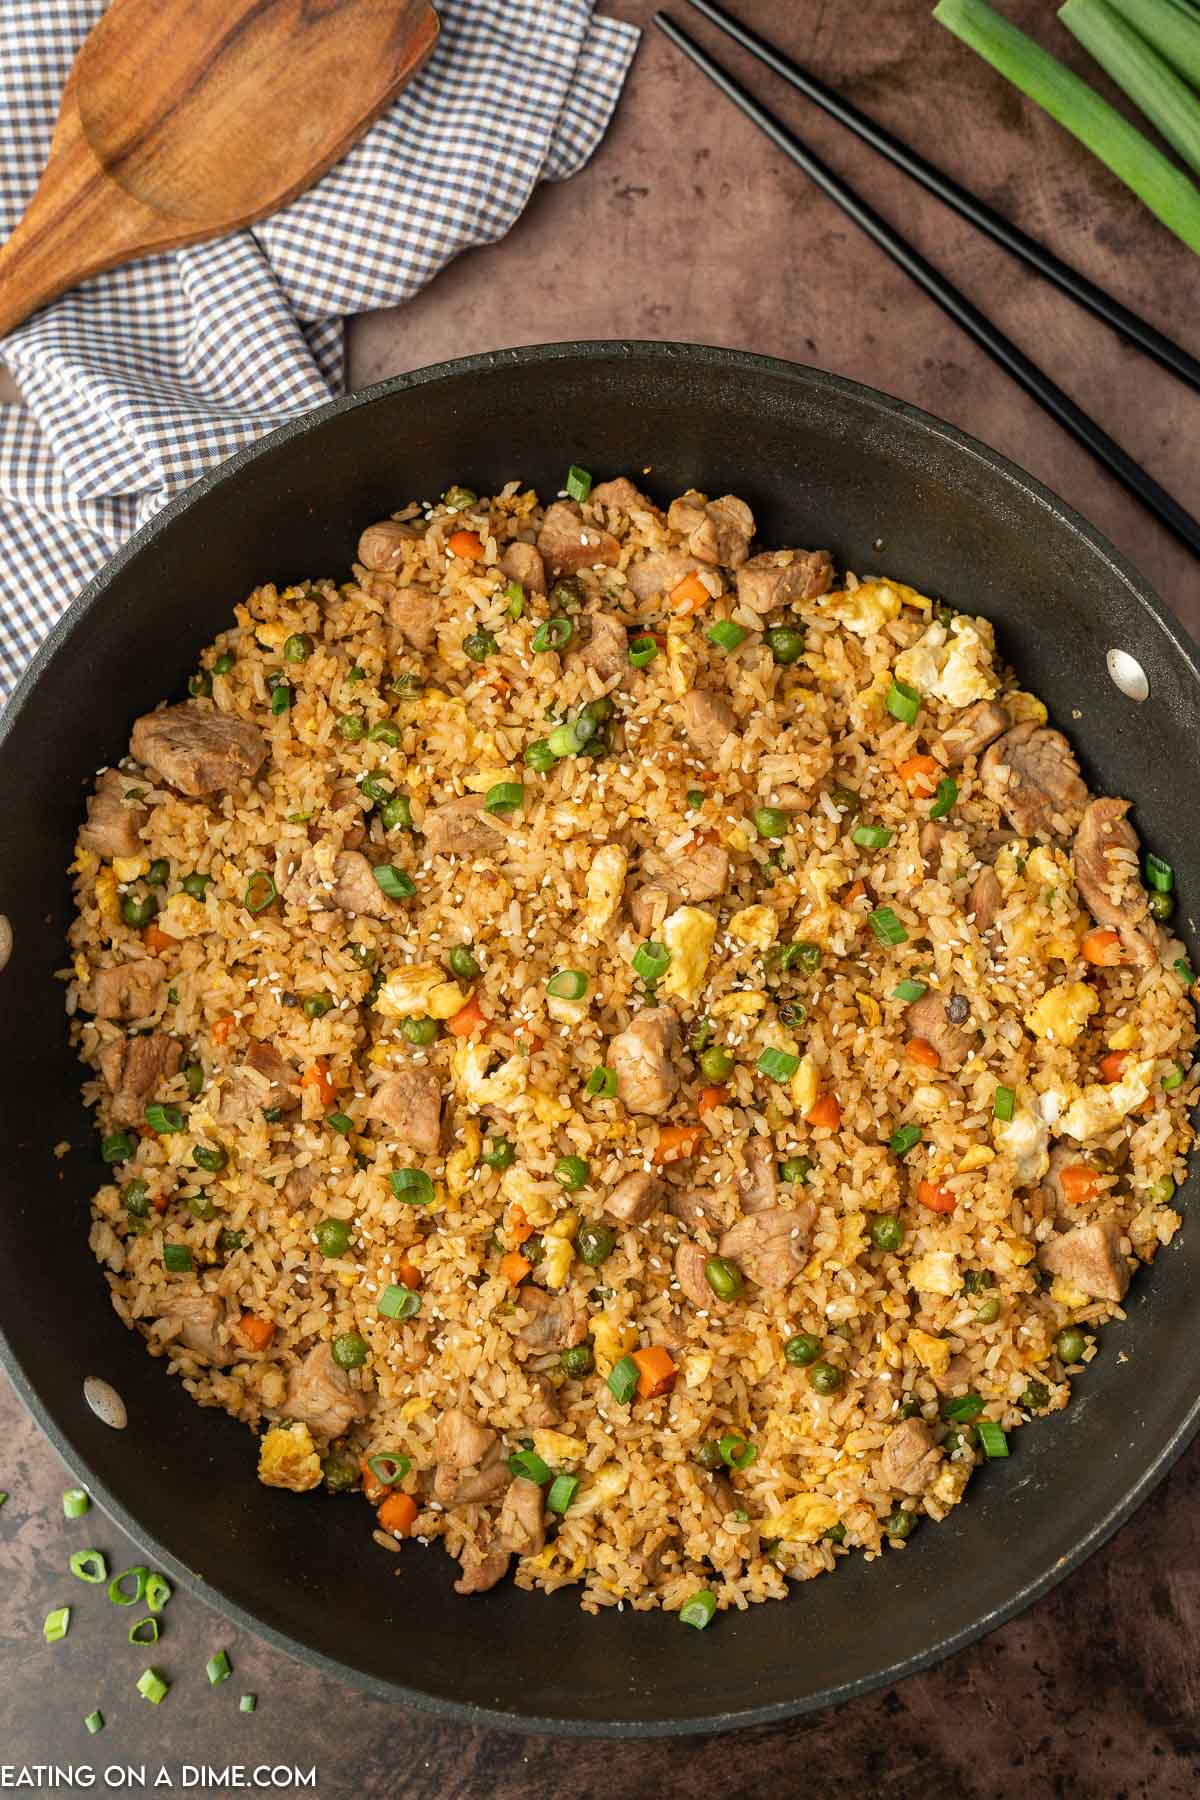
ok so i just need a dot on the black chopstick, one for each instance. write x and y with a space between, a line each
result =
1038 385
1136 330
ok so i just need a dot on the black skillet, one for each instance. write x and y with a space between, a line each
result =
822 462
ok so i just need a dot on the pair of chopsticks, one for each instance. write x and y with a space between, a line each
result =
1025 372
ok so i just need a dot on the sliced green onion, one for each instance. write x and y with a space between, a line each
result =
164 1119
58 1623
413 1186
947 797
1120 146
514 593
1159 874
1152 84
505 797
802 955
886 926
281 698
480 645
642 650
908 991
200 686
651 960
158 1592
539 756
903 1139
566 740
571 1173
218 1668
1173 1080
963 1410
992 1438
699 1610
780 1065
75 1502
553 634
872 837
152 1687
579 483
1184 970
340 1122
568 984
696 797
145 1631
94 1722
89 1565
396 883
902 701
388 1467
623 1380
399 1302
139 1575
177 1259
726 635
530 1465
457 499
211 1159
1003 1101
383 733
562 1491
1171 26
260 892
193 1075
601 1083
736 1452
248 1703
118 1147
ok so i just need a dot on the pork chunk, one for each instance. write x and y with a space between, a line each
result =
319 1394
607 648
1090 1257
196 751
567 543
470 1460
973 730
410 1106
698 1208
939 1019
413 613
929 843
984 899
708 719
264 1082
654 576
756 1183
689 1273
633 1198
909 1459
200 1318
700 874
771 1247
114 824
300 1184
462 828
1031 773
384 545
556 1321
132 990
543 1409
717 531
135 1068
521 1526
1106 857
779 577
523 563
641 1059
483 1561
620 496
344 882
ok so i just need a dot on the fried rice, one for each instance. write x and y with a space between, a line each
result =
642 1057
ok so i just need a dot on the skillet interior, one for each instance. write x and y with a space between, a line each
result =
823 462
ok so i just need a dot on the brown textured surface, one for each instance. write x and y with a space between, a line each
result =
686 225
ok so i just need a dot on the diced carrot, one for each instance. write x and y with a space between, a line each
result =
656 1371
710 1097
1103 948
919 775
922 1051
936 1198
398 1514
519 1228
689 595
825 1110
1111 1065
317 1075
465 544
222 1028
468 1019
257 1332
675 1142
1078 1183
701 839
156 939
408 1273
374 1489
159 1203
854 892
514 1267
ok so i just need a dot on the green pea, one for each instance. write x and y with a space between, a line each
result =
193 1075
298 647
824 1378
900 1525
200 686
595 1244
223 663
349 1351
317 1005
959 1438
351 727
231 1240
709 1456
420 1032
396 813
802 1349
716 1063
159 872
201 1207
138 912
480 645
723 1277
702 1035
988 1313
1162 1191
796 1169
785 643
195 884
975 1280
770 822
887 1233
1036 1396
333 1237
846 801
340 1472
462 963
566 595
1070 1344
497 1153
578 1361
1161 905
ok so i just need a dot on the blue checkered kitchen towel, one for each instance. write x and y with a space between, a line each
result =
140 380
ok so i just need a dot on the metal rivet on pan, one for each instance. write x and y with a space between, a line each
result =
6 939
1128 674
105 1402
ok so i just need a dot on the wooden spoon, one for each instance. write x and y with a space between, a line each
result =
185 119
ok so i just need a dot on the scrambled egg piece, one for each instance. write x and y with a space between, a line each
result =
865 609
697 1367
688 934
556 1447
1024 1137
1124 1037
287 1458
1066 1293
738 1005
954 665
610 1341
468 1068
935 1273
755 926
128 868
1101 1107
418 991
462 1161
1022 706
609 1482
107 898
737 838
932 1352
605 885
802 1519
949 1482
977 1157
183 916
1063 1012
558 1250
806 1085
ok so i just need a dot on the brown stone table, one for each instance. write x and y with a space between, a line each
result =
687 225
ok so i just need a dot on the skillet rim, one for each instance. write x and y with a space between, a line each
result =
666 354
